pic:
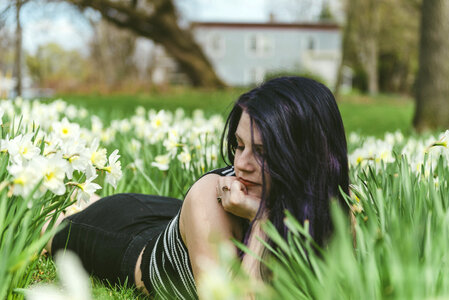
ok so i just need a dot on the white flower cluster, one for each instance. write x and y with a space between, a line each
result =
421 153
48 151
178 135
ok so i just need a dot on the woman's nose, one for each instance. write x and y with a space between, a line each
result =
245 161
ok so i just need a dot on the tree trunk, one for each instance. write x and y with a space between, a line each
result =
18 50
432 87
346 44
371 66
368 32
159 23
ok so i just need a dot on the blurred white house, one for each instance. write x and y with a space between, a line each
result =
243 53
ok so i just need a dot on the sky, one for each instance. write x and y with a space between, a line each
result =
60 23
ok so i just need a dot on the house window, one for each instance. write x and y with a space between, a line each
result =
254 75
311 43
216 45
259 45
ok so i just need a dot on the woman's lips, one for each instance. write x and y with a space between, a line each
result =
247 183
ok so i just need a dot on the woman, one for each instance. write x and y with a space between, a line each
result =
286 150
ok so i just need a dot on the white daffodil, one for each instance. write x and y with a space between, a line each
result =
97 125
184 157
114 169
123 126
83 113
21 148
66 130
140 126
87 189
71 112
53 170
159 120
107 136
137 164
161 162
2 112
52 145
59 105
4 145
171 144
25 179
155 136
140 111
74 281
135 146
97 157
77 157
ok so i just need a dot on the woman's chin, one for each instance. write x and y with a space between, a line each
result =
255 192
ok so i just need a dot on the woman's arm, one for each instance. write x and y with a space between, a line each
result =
204 224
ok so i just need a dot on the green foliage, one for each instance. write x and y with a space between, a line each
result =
401 241
21 220
124 105
376 115
52 64
326 13
359 112
392 28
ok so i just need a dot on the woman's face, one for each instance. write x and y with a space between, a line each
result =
247 167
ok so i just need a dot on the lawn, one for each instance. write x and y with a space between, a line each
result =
363 114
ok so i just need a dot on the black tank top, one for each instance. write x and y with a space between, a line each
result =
168 272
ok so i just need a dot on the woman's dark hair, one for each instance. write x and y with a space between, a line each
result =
305 150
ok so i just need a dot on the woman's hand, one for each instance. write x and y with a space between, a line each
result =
233 196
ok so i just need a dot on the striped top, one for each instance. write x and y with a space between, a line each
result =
170 271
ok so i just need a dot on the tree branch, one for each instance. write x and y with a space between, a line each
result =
159 23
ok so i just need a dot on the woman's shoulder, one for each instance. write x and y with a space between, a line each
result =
203 189
226 171
201 209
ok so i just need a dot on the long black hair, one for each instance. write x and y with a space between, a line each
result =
305 150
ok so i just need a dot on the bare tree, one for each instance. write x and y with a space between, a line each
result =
367 13
157 20
111 53
18 48
432 88
347 43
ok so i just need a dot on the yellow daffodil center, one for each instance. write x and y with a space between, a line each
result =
19 180
73 158
49 176
80 186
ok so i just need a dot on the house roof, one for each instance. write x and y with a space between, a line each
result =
241 25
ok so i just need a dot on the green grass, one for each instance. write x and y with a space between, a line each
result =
376 115
363 114
122 105
44 272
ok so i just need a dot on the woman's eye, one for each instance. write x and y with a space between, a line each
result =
259 151
240 148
